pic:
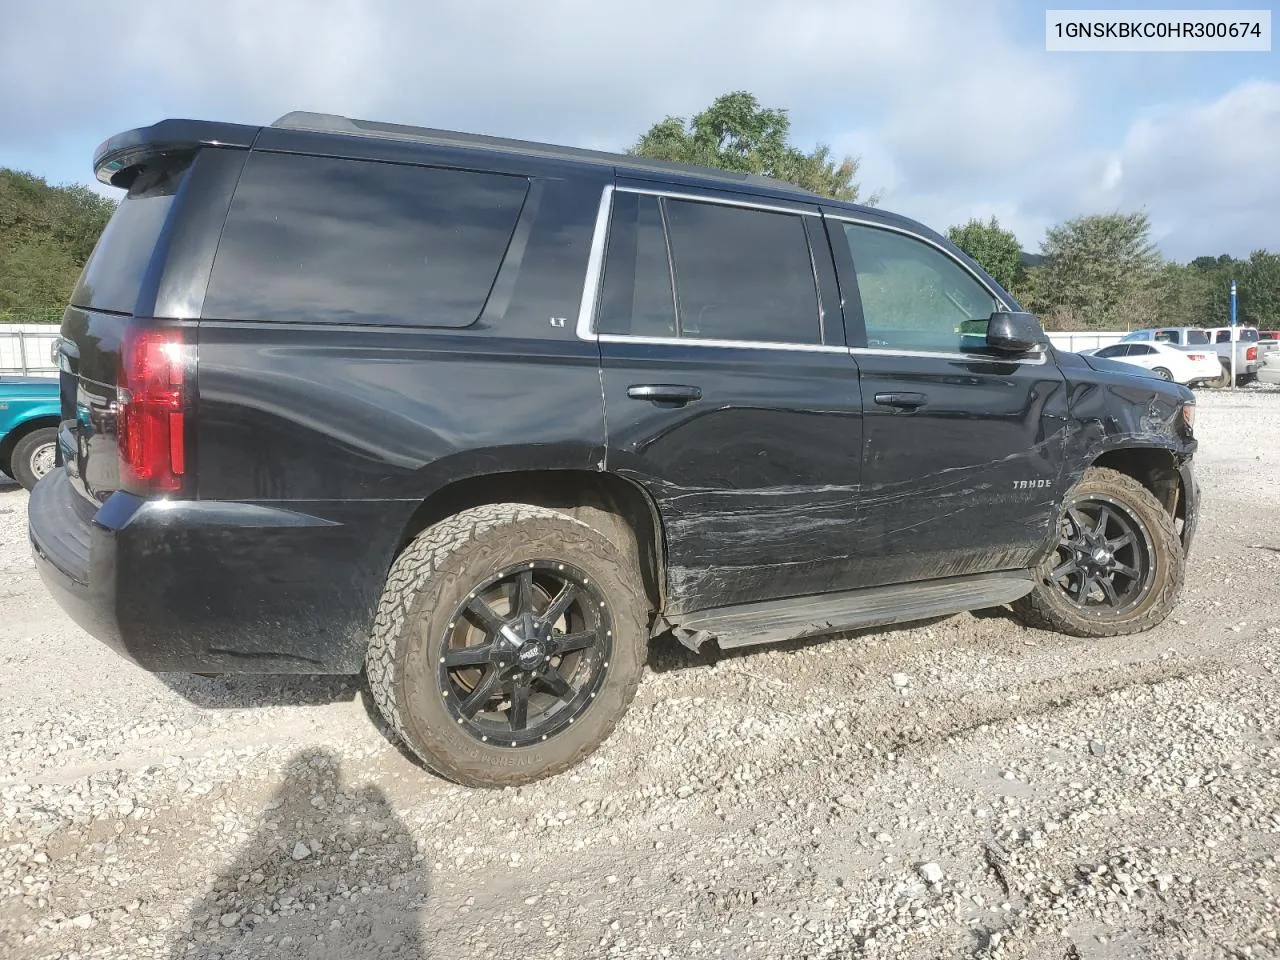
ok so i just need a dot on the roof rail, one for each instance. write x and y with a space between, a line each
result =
331 123
306 120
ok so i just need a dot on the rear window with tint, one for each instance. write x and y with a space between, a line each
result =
316 239
113 277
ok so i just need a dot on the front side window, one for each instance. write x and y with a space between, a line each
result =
707 271
1119 350
1167 336
1197 336
914 296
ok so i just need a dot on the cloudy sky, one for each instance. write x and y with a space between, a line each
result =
954 105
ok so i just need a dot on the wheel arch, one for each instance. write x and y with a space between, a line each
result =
1156 468
601 499
20 430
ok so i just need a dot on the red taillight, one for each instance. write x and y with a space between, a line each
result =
150 418
1251 353
1197 356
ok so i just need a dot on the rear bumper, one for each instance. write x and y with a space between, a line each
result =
1189 506
213 586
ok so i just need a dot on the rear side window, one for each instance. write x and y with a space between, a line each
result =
707 271
637 297
742 274
316 239
115 272
1197 336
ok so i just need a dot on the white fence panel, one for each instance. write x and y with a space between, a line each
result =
25 349
1092 340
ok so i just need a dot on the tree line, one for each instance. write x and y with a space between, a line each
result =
1100 271
46 235
1103 272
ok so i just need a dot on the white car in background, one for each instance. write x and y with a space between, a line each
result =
1181 365
1269 372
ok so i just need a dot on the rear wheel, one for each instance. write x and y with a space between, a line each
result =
1118 566
1162 373
1224 379
34 455
509 641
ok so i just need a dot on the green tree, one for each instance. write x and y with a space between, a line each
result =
1259 290
46 235
996 249
736 133
1100 271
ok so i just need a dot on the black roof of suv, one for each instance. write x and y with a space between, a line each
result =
480 417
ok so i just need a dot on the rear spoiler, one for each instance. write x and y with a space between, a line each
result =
116 160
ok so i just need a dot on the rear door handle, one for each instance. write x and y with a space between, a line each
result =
903 401
678 393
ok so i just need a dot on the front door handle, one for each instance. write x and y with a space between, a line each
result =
903 401
677 393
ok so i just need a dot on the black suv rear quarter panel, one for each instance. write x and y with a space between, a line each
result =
352 426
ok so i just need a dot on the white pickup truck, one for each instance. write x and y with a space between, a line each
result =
1247 349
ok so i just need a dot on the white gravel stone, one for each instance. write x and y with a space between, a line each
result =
778 798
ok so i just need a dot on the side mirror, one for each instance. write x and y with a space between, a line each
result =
1015 333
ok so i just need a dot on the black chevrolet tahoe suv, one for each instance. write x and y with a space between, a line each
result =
480 417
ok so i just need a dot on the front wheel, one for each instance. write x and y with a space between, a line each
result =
1118 565
509 641
34 455
1162 373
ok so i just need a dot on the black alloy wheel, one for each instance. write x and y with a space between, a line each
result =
1104 561
525 653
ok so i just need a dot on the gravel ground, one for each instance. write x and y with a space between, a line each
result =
965 787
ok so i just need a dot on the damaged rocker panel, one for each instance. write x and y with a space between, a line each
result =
772 621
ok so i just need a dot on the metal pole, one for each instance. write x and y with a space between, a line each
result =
1235 346
22 351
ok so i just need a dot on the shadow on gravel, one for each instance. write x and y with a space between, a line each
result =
243 690
328 874
666 653
996 613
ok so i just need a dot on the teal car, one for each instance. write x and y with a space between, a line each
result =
29 417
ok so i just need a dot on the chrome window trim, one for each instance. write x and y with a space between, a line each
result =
1039 358
731 344
723 201
595 266
595 270
877 225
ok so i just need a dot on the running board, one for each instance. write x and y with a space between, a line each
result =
751 623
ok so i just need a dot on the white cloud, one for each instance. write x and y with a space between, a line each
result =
952 115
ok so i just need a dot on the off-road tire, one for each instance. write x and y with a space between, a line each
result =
1047 609
433 575
25 449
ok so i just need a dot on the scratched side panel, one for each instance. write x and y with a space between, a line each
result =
969 482
1112 408
757 483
